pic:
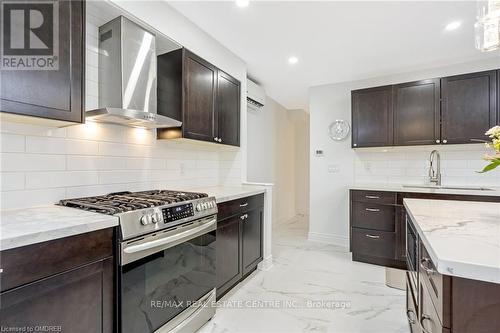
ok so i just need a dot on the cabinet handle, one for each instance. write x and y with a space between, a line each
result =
410 320
216 139
244 205
425 267
372 236
424 317
220 140
445 141
372 197
372 209
244 216
438 141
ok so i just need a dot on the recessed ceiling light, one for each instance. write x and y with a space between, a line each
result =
453 25
293 60
242 3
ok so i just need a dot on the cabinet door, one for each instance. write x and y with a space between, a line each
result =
372 117
228 109
469 106
199 98
252 239
417 113
80 300
55 94
411 309
228 254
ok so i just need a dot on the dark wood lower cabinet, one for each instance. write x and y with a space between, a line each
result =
252 240
445 304
52 295
229 266
239 240
378 225
77 301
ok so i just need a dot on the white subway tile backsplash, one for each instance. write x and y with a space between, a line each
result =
459 166
31 162
75 162
30 198
12 143
12 181
44 145
39 180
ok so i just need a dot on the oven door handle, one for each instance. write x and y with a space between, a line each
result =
172 240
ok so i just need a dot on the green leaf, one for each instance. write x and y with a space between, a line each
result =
491 166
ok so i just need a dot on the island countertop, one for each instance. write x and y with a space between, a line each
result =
462 238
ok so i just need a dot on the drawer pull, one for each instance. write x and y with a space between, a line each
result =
410 319
244 216
424 265
424 317
372 236
372 210
244 205
372 197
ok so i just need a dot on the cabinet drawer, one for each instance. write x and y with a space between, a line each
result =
33 262
373 216
438 286
411 308
373 243
375 197
429 318
238 206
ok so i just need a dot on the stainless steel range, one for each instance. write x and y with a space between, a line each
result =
166 258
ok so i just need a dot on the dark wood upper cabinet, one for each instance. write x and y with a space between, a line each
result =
372 117
417 113
54 94
469 106
228 109
203 97
199 121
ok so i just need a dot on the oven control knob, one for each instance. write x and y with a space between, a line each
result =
205 205
156 218
210 204
198 207
146 219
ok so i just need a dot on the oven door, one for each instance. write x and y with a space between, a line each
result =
164 273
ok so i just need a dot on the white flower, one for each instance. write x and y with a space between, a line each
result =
494 132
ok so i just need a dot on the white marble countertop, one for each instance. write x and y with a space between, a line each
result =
20 227
227 193
462 238
495 191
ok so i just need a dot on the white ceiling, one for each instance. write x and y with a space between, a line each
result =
336 41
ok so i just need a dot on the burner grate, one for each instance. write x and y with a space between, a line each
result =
116 203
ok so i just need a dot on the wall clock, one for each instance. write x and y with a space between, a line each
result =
339 130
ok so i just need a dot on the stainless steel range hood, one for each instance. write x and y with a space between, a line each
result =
127 77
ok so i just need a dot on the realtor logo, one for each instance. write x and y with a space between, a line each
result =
29 35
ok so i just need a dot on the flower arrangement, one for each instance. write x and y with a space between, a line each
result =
494 159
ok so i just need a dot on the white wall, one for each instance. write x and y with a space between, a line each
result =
275 137
329 190
41 165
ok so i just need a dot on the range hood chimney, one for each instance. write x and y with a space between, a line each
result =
127 77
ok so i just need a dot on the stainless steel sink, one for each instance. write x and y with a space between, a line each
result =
464 188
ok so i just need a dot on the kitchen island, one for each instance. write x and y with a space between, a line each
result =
453 257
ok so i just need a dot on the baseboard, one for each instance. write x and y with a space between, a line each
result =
266 263
337 240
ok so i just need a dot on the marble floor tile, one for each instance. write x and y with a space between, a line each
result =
312 287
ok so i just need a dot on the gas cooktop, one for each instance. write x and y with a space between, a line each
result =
148 211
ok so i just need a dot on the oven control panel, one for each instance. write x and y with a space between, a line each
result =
179 212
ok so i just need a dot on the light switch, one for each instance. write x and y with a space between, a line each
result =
319 153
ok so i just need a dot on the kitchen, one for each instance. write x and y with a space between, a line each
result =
147 185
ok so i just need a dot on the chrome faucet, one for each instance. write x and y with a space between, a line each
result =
435 174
